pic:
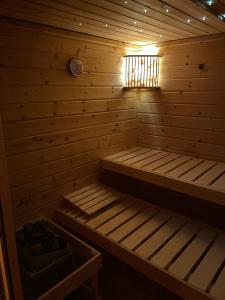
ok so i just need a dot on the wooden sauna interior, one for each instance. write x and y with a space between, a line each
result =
62 135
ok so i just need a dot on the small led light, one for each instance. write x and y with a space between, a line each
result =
210 2
222 17
135 22
141 30
167 8
80 24
145 11
160 36
204 18
188 20
125 2
106 25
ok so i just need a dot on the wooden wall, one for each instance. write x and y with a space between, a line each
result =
56 127
188 114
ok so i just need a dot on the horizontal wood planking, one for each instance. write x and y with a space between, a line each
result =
188 114
30 127
23 58
115 19
180 145
31 111
57 127
37 142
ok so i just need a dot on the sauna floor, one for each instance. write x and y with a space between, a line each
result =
204 179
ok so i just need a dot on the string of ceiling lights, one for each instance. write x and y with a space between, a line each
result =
213 6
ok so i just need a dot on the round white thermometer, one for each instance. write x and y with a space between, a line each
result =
76 67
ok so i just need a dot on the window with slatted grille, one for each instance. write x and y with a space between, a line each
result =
141 71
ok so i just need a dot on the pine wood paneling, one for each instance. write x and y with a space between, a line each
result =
56 127
138 22
188 114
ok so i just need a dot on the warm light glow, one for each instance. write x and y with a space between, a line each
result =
145 50
141 71
204 18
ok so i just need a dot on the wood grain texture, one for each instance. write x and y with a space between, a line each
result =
56 127
192 176
137 22
166 247
188 115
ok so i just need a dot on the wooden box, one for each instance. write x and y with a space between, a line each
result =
76 276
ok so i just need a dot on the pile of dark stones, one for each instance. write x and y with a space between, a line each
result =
38 246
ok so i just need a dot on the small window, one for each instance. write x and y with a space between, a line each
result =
141 71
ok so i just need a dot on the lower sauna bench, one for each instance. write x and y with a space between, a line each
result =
183 255
204 179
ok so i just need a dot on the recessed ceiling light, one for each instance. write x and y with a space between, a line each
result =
141 30
222 17
145 10
167 8
189 20
80 24
135 22
160 36
210 2
125 2
204 18
106 25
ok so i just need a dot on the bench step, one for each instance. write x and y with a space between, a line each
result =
183 255
197 177
93 197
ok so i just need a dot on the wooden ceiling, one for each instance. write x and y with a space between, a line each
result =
138 22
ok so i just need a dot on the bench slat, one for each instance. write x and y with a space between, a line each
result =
148 160
172 165
134 160
122 153
211 175
161 162
207 269
97 194
80 191
155 242
120 219
188 259
102 204
198 171
110 213
165 256
179 171
84 194
123 231
219 183
143 232
218 289
131 155
85 205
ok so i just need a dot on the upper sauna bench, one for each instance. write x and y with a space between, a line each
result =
204 179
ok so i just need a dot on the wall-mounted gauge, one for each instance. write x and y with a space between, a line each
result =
76 67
